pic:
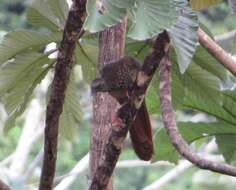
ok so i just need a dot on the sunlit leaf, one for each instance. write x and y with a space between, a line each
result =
18 79
150 17
39 13
114 11
24 40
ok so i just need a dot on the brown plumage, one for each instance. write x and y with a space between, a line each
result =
118 78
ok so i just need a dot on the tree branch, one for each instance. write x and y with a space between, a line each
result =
111 48
3 186
63 68
232 5
172 130
217 52
127 112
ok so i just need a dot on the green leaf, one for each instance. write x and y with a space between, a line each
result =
86 56
190 132
184 35
60 9
227 146
18 79
114 12
202 84
209 63
137 49
50 14
152 100
71 115
150 17
220 110
203 4
178 91
24 40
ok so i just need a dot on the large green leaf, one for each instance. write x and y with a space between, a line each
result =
207 62
50 14
223 111
71 114
24 40
202 4
86 56
60 9
202 83
114 11
18 78
190 132
152 100
137 49
150 17
184 35
227 146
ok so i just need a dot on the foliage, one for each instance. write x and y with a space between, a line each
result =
197 78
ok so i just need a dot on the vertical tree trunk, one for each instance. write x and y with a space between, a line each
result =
111 48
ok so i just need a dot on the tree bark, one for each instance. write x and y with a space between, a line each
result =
61 78
217 52
126 114
3 186
111 48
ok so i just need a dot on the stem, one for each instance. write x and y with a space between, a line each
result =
170 125
217 52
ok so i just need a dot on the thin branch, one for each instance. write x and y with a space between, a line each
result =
126 114
38 159
63 68
222 38
172 174
177 171
232 5
217 52
79 168
4 186
31 132
172 130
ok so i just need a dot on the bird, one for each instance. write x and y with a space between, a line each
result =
118 78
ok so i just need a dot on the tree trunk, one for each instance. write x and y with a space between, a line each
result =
111 48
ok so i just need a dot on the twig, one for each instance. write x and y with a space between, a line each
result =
172 174
31 132
126 114
172 130
38 159
217 52
61 77
3 186
79 168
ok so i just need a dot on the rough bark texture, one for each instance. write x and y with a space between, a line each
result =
232 5
63 68
170 125
216 51
126 114
111 48
3 186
